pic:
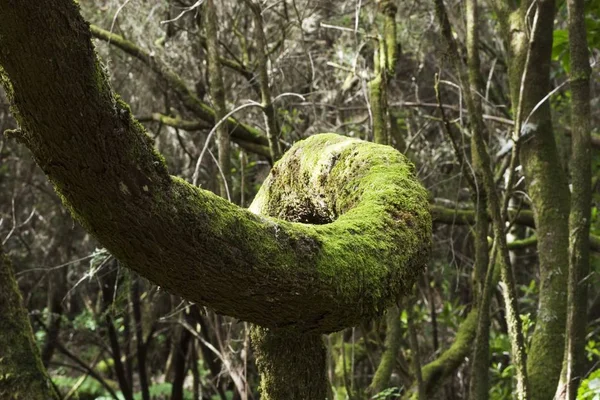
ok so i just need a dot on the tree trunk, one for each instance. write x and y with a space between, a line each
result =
22 374
547 186
354 226
116 185
292 365
580 217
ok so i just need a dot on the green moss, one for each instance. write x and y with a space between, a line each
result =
362 202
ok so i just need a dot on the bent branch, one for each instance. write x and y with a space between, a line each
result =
375 227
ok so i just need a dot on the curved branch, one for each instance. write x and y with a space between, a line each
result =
438 371
376 227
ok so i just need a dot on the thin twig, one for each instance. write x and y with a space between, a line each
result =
185 11
196 174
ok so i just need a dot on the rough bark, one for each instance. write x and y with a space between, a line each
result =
546 185
581 199
320 278
22 374
292 366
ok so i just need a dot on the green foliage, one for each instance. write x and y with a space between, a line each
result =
560 48
590 387
85 320
592 349
90 388
387 394
501 371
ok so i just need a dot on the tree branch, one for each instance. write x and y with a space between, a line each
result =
237 130
373 226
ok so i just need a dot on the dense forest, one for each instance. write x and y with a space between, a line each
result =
299 199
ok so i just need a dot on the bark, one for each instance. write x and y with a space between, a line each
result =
108 294
57 282
546 185
321 278
22 374
139 338
292 366
414 348
479 381
581 199
388 11
378 104
180 364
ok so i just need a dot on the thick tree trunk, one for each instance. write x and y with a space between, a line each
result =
545 178
22 374
292 366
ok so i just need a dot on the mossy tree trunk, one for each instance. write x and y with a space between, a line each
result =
22 374
579 218
340 229
545 179
292 365
479 382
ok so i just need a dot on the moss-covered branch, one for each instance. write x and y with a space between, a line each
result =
22 374
358 225
393 336
204 112
447 215
188 125
438 371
